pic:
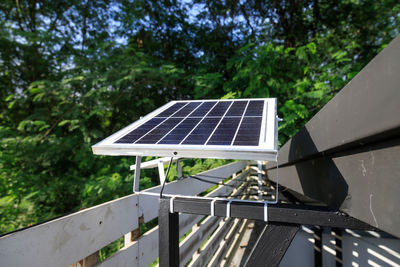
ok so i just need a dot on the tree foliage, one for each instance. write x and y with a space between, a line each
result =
73 72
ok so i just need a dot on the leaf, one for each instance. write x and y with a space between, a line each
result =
301 52
312 47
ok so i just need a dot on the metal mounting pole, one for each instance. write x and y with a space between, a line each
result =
161 172
179 169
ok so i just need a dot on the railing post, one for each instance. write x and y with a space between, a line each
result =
168 242
137 174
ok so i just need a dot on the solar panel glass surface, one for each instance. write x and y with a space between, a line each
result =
209 125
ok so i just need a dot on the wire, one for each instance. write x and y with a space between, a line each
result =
238 195
166 177
210 176
204 180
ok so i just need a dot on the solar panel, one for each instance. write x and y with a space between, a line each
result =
230 129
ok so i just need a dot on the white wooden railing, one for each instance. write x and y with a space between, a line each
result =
76 239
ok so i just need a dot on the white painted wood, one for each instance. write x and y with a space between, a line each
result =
186 221
225 244
127 239
187 186
148 243
66 240
212 244
136 180
125 257
141 253
148 247
199 234
215 243
231 253
196 238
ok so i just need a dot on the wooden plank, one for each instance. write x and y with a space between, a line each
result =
66 240
277 213
187 186
363 183
199 235
225 244
196 238
126 256
141 253
231 254
186 221
212 244
148 247
367 109
148 243
272 245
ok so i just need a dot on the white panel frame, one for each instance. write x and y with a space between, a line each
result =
266 150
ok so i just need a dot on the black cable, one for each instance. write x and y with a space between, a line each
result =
210 176
166 177
239 195
207 181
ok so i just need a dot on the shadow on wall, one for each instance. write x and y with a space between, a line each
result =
358 251
320 179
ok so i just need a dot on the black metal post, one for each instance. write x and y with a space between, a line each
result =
337 233
168 242
317 246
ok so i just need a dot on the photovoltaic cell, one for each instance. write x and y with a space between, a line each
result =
249 132
219 109
180 132
171 110
158 133
187 125
231 129
237 108
140 131
255 108
225 132
203 109
201 133
187 109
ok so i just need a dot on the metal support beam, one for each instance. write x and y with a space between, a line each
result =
278 213
161 172
168 241
272 244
